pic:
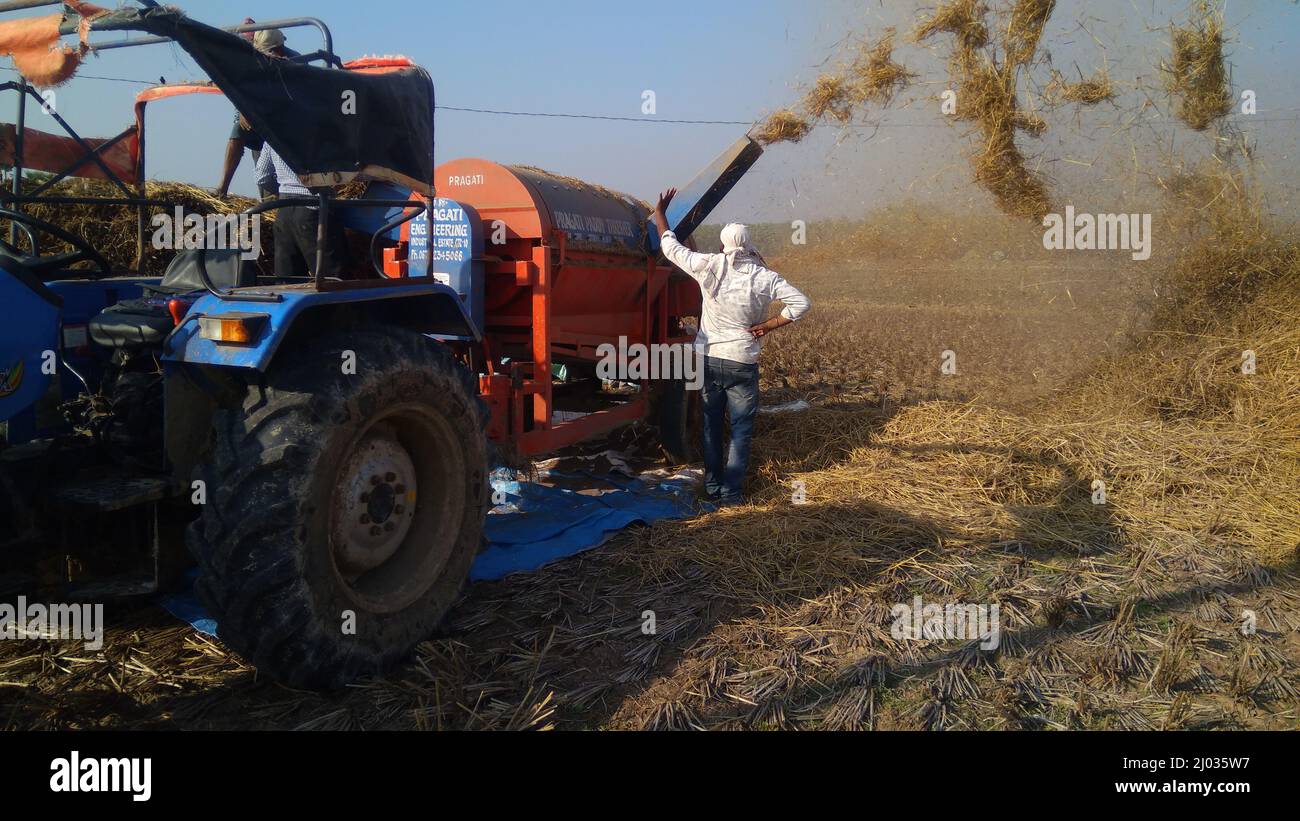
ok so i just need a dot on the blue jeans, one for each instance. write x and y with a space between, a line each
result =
730 389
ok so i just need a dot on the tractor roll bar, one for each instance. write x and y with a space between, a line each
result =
326 53
324 202
106 23
20 5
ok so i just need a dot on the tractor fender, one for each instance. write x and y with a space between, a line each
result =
29 340
427 308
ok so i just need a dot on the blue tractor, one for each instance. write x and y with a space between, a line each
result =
311 440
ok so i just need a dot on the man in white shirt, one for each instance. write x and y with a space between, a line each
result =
738 290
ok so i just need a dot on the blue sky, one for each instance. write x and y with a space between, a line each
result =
711 60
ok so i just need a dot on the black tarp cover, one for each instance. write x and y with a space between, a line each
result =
300 109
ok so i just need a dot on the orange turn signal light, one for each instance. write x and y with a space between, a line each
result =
234 328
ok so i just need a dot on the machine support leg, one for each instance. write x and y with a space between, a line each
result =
322 232
542 411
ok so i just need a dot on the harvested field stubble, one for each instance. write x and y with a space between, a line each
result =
962 502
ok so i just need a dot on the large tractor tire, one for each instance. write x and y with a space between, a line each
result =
343 511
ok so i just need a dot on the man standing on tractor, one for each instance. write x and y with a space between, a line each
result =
271 43
295 225
738 290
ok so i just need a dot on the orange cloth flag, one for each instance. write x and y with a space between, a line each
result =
34 45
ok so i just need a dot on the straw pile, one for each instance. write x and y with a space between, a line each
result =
1197 74
111 229
1233 290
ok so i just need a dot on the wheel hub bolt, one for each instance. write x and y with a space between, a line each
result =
399 510
390 477
376 531
365 518
375 480
389 526
400 489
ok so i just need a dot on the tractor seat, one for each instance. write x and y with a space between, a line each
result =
146 322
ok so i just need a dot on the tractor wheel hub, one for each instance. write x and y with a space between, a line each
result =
374 504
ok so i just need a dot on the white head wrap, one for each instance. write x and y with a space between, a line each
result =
735 244
735 239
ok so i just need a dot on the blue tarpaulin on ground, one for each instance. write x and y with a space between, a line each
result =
184 605
544 523
539 524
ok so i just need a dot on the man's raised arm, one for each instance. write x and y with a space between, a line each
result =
697 265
